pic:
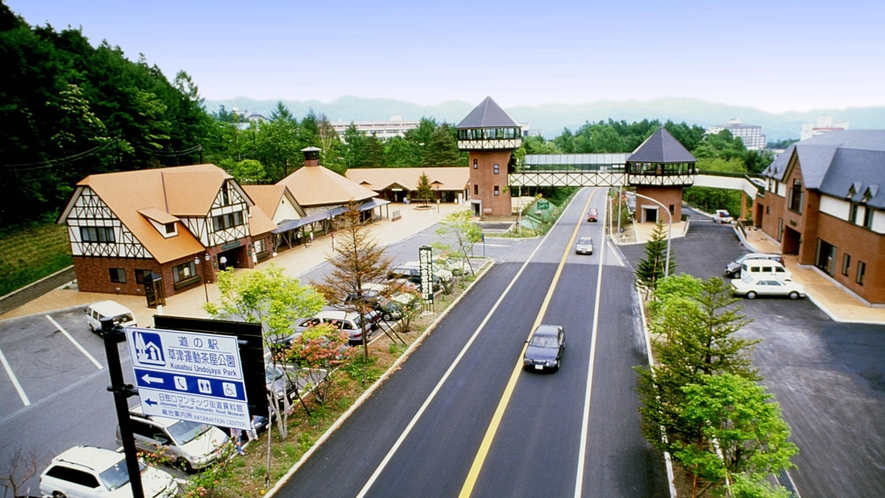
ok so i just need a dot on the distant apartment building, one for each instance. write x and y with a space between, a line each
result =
393 127
824 124
751 135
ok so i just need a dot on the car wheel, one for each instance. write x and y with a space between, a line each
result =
58 494
751 295
794 295
386 317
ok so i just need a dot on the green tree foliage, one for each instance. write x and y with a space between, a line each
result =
68 109
460 227
739 431
278 146
424 191
694 324
245 172
652 269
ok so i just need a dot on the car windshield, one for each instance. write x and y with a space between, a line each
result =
585 241
185 431
543 341
117 476
271 374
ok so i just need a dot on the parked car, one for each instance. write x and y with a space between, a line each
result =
413 275
722 216
764 268
90 471
122 315
545 348
343 320
584 245
592 215
458 266
751 287
191 445
279 381
733 269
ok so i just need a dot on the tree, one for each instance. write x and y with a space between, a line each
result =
322 347
465 232
247 171
740 431
18 467
270 298
277 144
693 326
424 191
357 261
652 269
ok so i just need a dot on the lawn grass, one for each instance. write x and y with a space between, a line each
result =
29 254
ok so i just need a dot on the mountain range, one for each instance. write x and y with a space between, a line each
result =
551 119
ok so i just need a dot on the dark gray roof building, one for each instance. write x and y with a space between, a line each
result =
661 148
488 114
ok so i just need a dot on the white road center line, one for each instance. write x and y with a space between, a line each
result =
75 343
18 387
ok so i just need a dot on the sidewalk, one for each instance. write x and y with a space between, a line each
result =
295 262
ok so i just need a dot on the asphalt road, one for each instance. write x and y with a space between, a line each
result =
421 431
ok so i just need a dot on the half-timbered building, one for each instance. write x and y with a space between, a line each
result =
160 231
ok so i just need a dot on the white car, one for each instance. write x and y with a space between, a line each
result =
752 287
722 216
584 245
190 445
89 471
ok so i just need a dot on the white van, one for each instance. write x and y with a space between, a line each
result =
121 314
762 268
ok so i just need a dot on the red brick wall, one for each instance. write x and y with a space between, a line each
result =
668 196
485 177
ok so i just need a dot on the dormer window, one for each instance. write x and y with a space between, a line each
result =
170 228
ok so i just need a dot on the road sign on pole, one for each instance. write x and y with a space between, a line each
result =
425 260
189 376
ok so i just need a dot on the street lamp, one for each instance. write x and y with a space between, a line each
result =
436 184
669 230
198 261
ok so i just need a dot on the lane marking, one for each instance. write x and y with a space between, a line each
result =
75 343
485 446
14 379
585 421
444 378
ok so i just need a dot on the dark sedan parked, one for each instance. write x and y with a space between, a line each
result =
545 347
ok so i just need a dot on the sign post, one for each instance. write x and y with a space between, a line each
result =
189 376
425 259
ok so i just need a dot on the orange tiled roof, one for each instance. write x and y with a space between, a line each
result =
318 186
378 179
184 191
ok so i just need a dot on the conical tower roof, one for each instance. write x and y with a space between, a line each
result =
488 114
661 148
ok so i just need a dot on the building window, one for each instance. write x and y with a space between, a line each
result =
118 275
102 235
852 213
475 164
767 209
868 217
183 271
225 197
795 200
780 230
170 228
672 209
846 264
230 220
861 268
496 168
497 190
141 275
476 190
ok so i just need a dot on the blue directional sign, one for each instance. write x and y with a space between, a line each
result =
189 376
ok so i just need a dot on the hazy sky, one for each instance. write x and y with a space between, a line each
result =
774 55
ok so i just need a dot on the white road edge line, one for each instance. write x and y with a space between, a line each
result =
445 376
75 343
585 421
18 387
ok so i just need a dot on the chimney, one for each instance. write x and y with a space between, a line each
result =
311 156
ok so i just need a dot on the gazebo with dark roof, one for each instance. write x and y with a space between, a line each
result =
660 168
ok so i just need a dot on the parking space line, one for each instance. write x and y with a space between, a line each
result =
18 387
75 343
